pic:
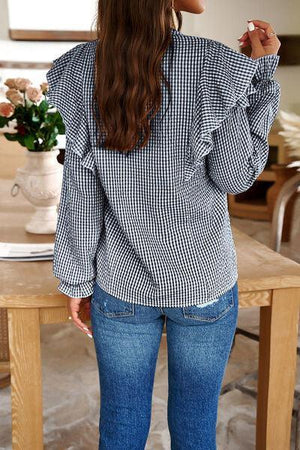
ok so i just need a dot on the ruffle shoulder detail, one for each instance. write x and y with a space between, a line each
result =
225 82
69 90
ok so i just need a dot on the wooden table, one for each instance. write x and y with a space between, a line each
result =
266 279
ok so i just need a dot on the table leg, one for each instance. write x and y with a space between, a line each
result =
26 382
277 369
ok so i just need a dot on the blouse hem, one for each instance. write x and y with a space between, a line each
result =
193 293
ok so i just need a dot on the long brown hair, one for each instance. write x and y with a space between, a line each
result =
132 36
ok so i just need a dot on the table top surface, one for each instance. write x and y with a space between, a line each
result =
259 267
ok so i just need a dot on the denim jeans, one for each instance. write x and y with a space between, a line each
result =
127 339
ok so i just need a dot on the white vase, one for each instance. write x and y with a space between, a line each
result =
40 181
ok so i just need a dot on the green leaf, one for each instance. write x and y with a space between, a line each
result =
61 129
43 106
29 141
21 140
11 137
4 121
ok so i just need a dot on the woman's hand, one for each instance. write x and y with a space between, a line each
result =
79 306
260 38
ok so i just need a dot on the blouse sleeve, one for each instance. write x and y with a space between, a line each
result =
80 212
79 226
240 147
60 84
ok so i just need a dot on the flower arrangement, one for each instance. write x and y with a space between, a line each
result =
36 127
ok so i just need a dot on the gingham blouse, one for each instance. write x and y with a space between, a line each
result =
153 227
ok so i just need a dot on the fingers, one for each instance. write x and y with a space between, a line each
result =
264 25
86 304
79 323
245 40
255 39
245 35
259 38
74 310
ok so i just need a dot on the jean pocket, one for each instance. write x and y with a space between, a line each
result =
213 311
109 305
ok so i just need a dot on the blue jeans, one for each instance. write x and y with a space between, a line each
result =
127 339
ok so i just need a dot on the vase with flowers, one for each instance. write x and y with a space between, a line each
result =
35 125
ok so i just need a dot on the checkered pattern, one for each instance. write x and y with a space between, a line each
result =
153 227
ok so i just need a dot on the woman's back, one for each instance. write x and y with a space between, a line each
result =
153 226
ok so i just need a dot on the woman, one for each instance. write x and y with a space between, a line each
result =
160 126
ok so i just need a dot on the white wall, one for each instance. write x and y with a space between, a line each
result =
223 21
54 14
3 21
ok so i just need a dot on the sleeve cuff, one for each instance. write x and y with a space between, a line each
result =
266 67
77 290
